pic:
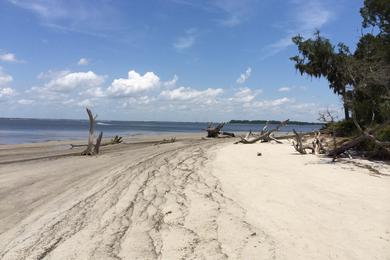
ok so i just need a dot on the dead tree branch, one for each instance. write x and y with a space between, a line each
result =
264 136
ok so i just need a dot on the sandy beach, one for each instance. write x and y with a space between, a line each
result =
195 198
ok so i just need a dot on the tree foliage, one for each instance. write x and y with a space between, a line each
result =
362 78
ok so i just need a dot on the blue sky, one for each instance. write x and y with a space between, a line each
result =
177 60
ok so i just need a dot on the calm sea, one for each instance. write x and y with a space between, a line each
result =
15 130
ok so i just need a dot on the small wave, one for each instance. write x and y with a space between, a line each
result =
100 123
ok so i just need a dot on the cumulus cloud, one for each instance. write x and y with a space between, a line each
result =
4 77
172 82
191 95
85 103
284 89
96 92
244 76
244 95
143 100
133 84
6 92
68 81
9 57
83 62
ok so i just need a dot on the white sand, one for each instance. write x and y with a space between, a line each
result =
311 208
193 199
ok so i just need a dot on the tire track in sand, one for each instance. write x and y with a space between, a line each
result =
167 206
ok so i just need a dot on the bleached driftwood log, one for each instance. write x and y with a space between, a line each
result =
91 148
265 135
316 146
215 131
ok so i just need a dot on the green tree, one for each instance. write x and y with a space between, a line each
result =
319 58
361 78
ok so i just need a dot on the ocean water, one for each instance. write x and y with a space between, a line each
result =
16 130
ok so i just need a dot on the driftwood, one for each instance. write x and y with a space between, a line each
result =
316 146
365 135
98 143
91 148
215 131
167 141
115 140
264 136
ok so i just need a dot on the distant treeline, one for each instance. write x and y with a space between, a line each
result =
262 122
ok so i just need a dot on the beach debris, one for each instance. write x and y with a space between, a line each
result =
365 135
259 154
167 141
92 148
115 140
265 135
215 131
315 147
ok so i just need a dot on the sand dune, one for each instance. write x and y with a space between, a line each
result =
193 199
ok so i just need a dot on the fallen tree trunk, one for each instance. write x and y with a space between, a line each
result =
345 147
214 132
364 135
227 134
264 135
115 140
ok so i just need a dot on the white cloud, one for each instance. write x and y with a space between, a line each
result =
143 100
244 76
172 82
312 15
190 94
86 103
284 89
244 95
308 16
133 84
186 41
66 82
9 57
6 92
4 77
83 62
272 103
232 12
25 101
96 92
236 11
